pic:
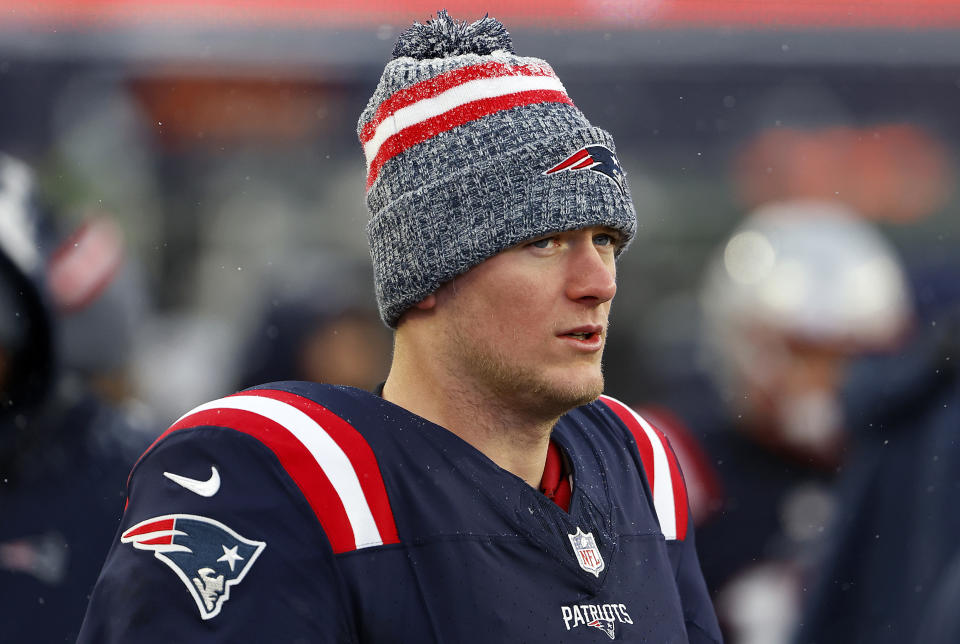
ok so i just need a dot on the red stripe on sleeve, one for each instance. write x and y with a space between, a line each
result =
428 128
639 436
702 483
358 451
680 507
296 459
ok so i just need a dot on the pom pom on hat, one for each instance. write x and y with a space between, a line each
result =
444 37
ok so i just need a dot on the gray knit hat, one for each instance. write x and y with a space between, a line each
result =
470 150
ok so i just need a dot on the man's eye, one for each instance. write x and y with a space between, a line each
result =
605 239
542 243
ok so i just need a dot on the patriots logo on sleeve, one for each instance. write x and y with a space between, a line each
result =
207 556
596 158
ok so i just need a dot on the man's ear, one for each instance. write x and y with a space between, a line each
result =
427 303
419 310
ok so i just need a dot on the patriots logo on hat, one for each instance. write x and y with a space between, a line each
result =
596 158
207 556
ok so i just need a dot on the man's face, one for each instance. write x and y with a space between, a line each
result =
527 327
791 394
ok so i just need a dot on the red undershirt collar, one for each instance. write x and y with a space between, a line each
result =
555 483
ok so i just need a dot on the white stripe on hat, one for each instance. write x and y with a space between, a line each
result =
324 449
469 91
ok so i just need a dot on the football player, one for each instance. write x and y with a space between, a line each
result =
486 492
63 450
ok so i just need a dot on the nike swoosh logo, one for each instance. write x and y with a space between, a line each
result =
204 488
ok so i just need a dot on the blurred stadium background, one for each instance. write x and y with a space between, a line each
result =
220 136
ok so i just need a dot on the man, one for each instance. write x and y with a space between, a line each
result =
486 495
799 290
898 492
63 452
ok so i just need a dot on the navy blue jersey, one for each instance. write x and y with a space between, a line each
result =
298 512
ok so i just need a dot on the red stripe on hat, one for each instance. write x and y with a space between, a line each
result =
441 83
408 137
295 458
358 451
569 161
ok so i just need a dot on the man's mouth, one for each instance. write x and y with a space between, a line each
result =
584 333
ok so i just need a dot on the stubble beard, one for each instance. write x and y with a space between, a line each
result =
521 386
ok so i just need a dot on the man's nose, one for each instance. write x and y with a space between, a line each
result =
593 276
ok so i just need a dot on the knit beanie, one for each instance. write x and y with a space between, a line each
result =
470 150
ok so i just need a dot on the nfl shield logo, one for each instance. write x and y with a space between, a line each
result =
588 555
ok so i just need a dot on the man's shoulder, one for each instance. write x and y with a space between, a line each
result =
608 422
339 398
288 418
290 404
305 439
609 417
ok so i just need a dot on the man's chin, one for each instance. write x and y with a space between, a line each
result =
533 388
559 398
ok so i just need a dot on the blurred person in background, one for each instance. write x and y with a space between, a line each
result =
325 330
891 571
100 298
64 453
798 289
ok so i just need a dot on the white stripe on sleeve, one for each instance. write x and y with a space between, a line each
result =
328 455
